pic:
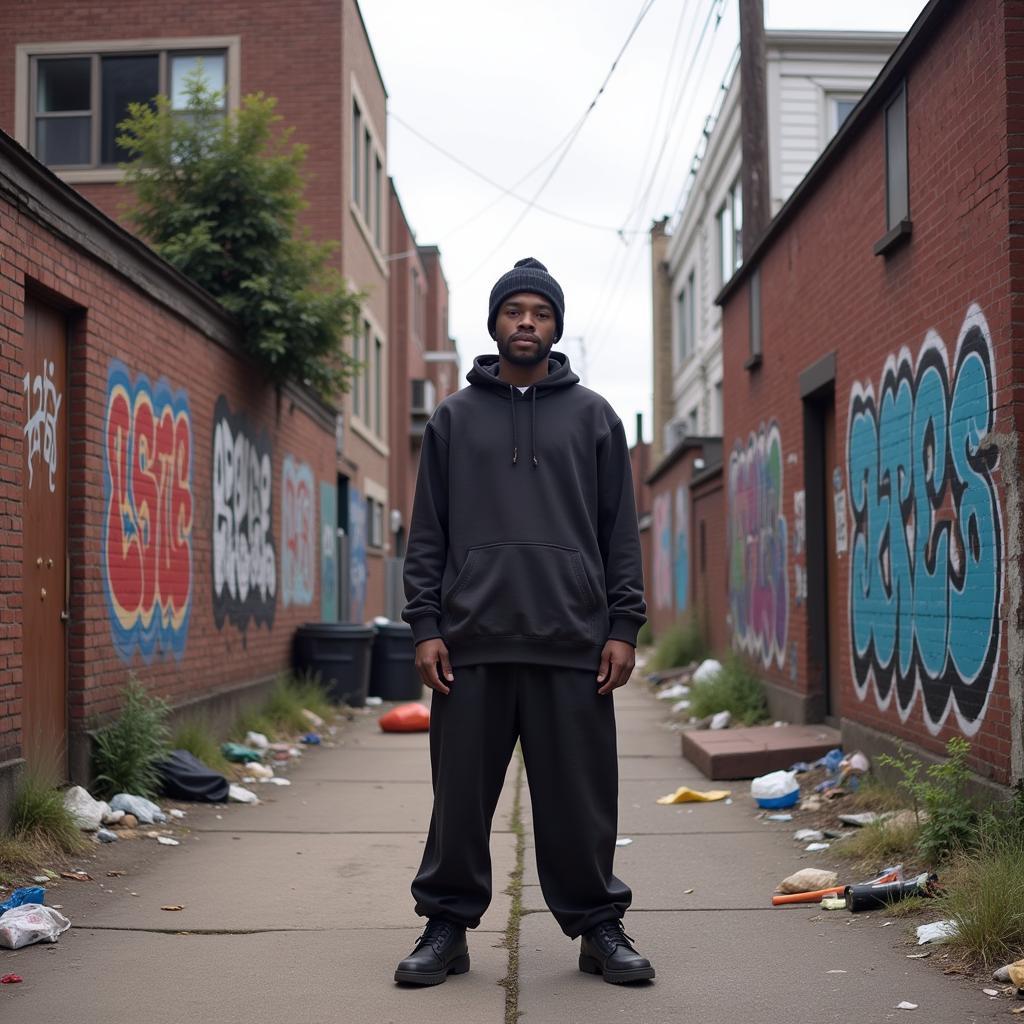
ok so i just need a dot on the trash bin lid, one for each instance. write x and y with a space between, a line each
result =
336 630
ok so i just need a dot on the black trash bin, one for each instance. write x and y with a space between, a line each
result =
393 674
340 653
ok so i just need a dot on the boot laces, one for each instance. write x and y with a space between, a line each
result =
612 933
436 934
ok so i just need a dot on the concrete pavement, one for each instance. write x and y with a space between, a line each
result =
297 910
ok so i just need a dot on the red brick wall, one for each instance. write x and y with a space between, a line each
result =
824 291
117 323
708 569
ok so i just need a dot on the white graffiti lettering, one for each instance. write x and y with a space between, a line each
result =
41 423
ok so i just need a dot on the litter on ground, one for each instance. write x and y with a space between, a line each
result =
685 795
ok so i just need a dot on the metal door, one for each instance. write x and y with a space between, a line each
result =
44 519
835 502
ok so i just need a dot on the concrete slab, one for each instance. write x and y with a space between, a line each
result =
325 807
725 871
747 753
369 765
674 769
744 965
301 977
283 881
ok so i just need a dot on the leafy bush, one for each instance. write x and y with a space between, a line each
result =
736 688
218 196
127 749
681 644
196 737
939 790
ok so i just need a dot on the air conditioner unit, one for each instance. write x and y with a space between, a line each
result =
424 397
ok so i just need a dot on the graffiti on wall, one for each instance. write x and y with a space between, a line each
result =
244 570
357 554
681 540
661 514
298 533
147 523
758 582
42 407
799 544
328 552
926 547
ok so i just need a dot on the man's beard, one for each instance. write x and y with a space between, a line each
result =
524 357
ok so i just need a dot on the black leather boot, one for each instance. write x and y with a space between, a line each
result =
606 950
441 950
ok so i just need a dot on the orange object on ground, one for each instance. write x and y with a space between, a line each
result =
406 718
807 897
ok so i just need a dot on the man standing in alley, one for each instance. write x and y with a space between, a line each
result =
524 583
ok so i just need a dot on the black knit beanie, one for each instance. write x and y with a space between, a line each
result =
527 275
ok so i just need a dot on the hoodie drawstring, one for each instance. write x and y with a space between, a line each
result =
533 426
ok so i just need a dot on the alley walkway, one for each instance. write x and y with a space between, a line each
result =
297 911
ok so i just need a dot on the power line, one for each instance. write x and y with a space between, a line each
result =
647 5
501 188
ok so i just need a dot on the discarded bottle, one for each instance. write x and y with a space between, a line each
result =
872 895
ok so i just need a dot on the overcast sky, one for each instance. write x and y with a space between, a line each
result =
501 85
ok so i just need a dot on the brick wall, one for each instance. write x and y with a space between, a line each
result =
924 384
143 339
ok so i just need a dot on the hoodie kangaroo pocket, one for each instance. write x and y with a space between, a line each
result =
540 591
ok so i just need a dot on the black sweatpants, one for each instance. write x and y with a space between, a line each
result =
567 732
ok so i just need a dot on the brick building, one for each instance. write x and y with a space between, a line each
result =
161 498
873 364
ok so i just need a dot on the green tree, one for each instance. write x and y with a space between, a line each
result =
218 196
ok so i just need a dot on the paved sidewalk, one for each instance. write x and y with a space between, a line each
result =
297 910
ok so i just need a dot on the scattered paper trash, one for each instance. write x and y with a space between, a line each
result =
816 847
374 702
255 770
707 670
775 790
919 956
31 894
241 795
906 1006
808 835
991 991
779 817
721 720
257 740
937 931
29 923
624 841
87 813
238 753
176 813
145 810
674 692
167 841
76 876
685 795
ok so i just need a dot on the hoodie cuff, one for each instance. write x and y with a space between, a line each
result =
624 630
425 628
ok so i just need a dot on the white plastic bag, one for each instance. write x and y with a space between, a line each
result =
145 810
89 814
241 795
31 922
774 785
707 670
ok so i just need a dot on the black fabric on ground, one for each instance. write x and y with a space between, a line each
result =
184 777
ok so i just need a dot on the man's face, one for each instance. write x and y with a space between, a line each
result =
525 329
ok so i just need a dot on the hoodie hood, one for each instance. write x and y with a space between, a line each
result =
560 375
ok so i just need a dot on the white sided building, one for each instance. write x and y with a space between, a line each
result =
813 79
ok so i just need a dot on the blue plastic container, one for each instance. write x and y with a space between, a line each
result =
775 803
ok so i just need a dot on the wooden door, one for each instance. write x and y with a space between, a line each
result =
44 519
835 499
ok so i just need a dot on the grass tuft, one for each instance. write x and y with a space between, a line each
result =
41 826
195 736
984 897
736 689
881 842
680 645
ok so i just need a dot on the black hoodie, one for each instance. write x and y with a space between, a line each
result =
523 545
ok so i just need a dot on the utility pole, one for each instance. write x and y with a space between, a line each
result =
754 124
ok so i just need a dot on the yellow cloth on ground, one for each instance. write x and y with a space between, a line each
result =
685 795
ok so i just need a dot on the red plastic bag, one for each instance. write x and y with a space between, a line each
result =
406 718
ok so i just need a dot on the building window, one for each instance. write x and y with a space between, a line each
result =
378 379
839 109
357 388
378 175
691 423
897 184
374 523
719 427
367 152
755 317
367 372
730 232
357 135
77 101
682 320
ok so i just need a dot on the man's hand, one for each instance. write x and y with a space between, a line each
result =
428 654
617 661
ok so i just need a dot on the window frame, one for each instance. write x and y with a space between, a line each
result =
27 56
899 96
368 163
